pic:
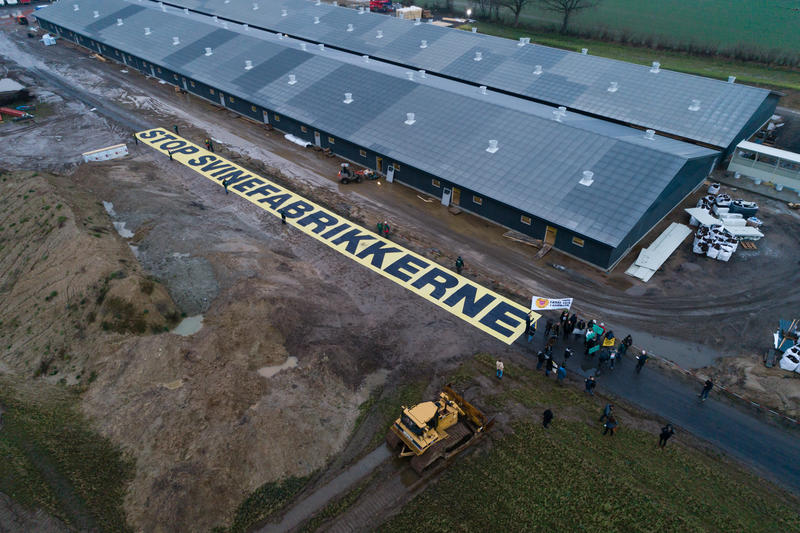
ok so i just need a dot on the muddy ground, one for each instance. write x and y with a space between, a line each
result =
205 427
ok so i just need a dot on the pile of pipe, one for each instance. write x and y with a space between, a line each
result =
714 242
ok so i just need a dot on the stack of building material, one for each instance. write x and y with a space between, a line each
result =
650 259
791 359
411 13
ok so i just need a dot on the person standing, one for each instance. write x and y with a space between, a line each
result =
225 185
531 331
387 229
563 318
459 264
589 385
666 433
548 363
379 227
175 127
612 358
626 343
610 426
580 326
641 359
608 410
561 374
555 330
500 367
706 389
548 327
567 354
547 417
209 145
540 357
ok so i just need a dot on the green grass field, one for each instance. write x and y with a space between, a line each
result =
571 478
768 24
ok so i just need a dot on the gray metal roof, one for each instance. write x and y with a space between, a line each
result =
536 169
658 101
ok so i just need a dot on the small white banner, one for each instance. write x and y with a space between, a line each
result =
543 304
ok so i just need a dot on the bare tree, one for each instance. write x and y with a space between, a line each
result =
567 8
516 7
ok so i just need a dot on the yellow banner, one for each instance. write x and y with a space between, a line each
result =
484 309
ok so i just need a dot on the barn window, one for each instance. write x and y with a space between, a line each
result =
396 168
158 69
175 76
577 242
211 91
362 153
191 83
436 183
277 118
331 140
478 200
253 108
231 99
525 220
303 129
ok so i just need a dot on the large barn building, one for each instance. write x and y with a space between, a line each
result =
590 187
713 113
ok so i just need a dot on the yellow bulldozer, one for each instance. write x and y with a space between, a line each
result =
435 430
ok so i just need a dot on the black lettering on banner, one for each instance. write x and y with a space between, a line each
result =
338 229
214 165
172 145
467 293
320 219
164 137
297 209
150 134
503 313
275 201
188 150
438 279
405 267
352 238
237 175
202 160
263 190
247 184
378 253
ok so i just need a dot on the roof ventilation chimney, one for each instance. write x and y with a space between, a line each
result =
208 52
248 65
255 6
493 146
417 21
318 3
423 74
523 41
227 2
280 36
284 12
225 24
478 56
348 98
147 31
559 113
361 10
695 105
537 70
321 46
731 79
215 19
303 47
246 27
656 68
292 79
175 41
335 3
474 29
379 35
96 14
75 7
650 134
482 89
410 75
410 119
119 22
612 88
423 44
584 51
185 10
588 178
316 20
349 27
366 58
163 7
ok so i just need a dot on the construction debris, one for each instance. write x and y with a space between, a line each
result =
651 258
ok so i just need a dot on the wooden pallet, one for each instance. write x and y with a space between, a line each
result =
543 251
524 239
748 245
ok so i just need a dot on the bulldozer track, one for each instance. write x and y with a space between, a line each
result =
456 436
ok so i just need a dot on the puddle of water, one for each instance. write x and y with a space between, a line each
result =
269 371
189 326
110 209
124 232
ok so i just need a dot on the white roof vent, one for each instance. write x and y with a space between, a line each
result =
410 75
379 35
350 27
559 113
215 18
227 2
493 146
316 20
650 134
478 56
348 98
482 89
208 52
303 47
523 41
185 10
423 44
731 79
613 87
225 24
163 7
255 6
584 51
474 29
292 79
318 3
537 70
95 14
335 3
365 57
284 12
321 46
361 10
656 68
410 119
75 7
248 65
147 31
246 27
280 36
695 105
417 21
119 22
588 178
423 74
175 41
